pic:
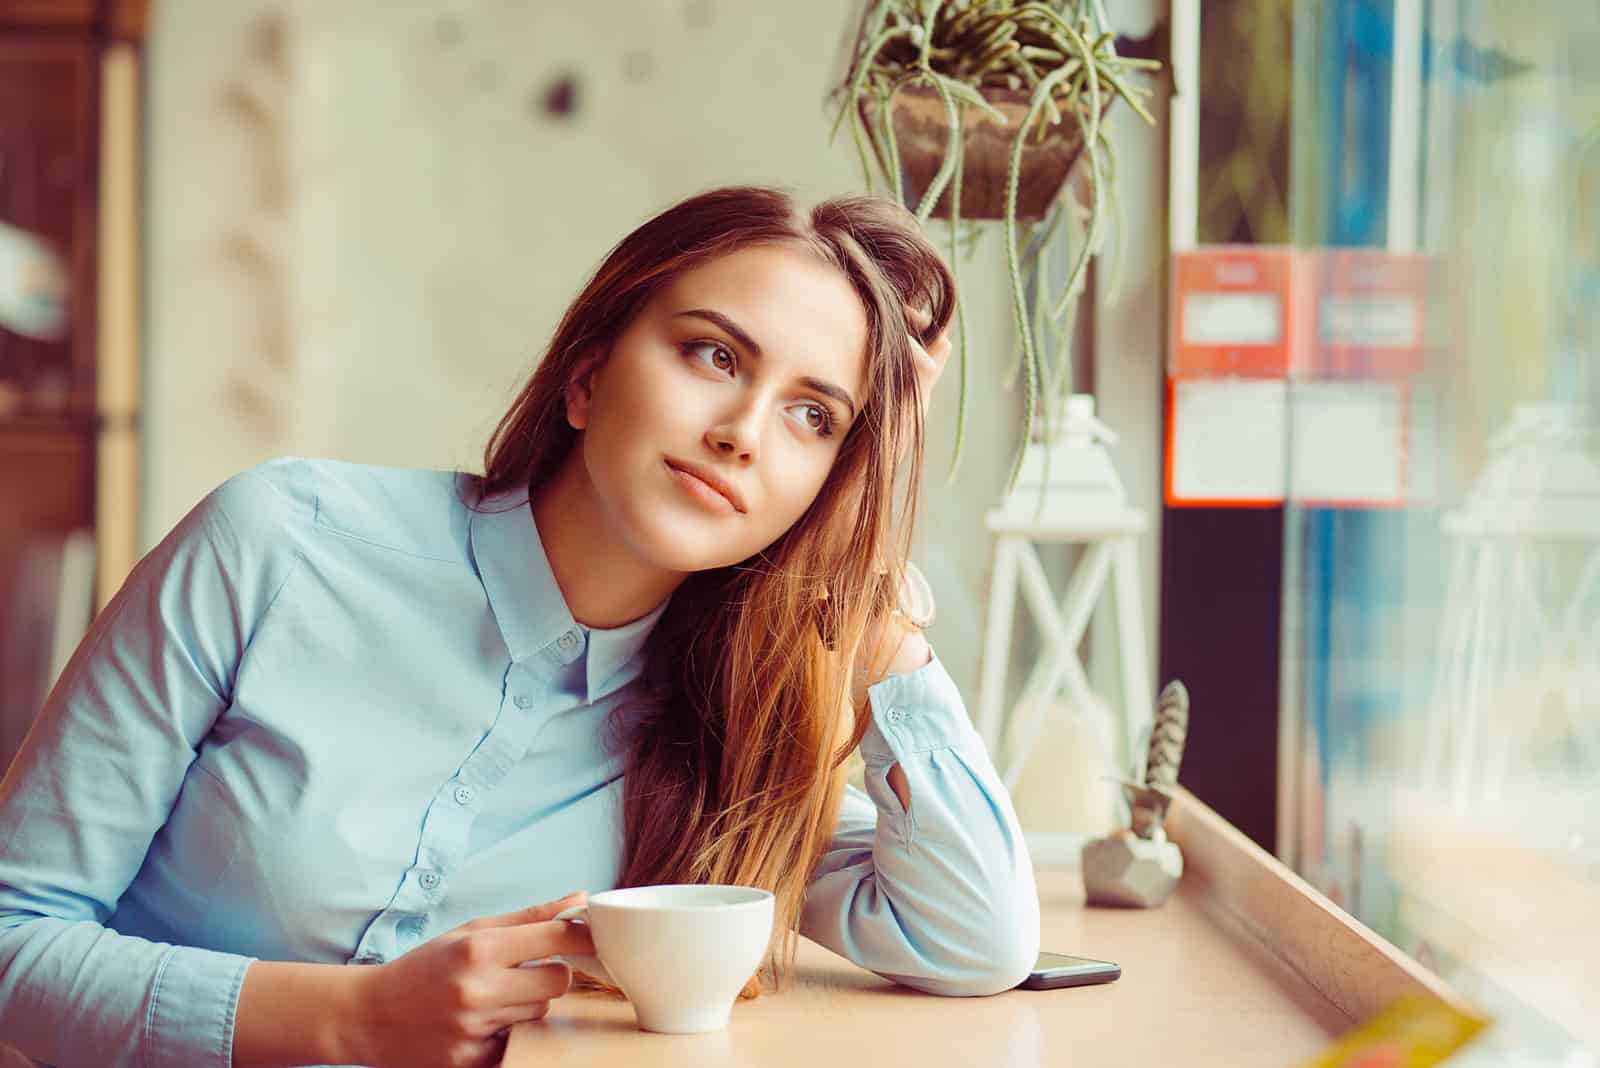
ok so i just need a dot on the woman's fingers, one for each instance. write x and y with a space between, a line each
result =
534 913
929 368
526 993
512 1015
524 986
930 357
921 319
511 946
528 1013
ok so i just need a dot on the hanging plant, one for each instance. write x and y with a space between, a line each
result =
981 109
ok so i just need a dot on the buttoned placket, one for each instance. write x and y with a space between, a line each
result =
447 823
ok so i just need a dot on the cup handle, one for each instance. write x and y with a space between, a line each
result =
582 962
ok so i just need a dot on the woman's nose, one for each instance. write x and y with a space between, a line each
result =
739 434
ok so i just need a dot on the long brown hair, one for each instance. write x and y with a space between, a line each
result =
735 769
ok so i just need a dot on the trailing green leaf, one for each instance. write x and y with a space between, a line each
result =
1013 175
952 155
961 311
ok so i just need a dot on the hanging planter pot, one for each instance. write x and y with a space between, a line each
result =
922 133
990 105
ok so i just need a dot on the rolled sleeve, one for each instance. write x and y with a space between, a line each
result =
193 1005
915 713
940 897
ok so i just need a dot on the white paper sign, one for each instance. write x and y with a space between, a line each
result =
1232 319
1228 440
1347 442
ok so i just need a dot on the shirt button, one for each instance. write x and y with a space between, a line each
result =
429 880
896 715
524 701
463 795
568 641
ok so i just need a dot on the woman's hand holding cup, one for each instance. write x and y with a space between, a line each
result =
452 1000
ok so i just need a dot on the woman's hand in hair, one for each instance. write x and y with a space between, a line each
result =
931 357
452 1001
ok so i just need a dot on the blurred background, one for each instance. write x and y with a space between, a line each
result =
1345 332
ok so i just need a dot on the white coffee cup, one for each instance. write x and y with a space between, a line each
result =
681 953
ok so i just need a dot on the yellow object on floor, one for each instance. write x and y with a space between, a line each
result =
1414 1032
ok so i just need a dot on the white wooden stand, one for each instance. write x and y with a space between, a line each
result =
1067 491
1110 552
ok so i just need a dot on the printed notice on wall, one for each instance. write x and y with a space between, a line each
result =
1347 443
1228 442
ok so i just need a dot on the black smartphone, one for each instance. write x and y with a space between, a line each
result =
1054 970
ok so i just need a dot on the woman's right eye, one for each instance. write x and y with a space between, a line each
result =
700 346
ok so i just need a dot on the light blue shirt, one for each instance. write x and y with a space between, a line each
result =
336 713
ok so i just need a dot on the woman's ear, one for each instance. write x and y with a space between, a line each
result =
579 392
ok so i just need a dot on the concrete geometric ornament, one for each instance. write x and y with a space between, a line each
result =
1137 867
1130 871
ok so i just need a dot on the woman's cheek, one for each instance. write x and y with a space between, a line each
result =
804 479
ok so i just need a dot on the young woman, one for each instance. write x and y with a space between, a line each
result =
354 715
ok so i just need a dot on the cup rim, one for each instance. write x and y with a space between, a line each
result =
616 898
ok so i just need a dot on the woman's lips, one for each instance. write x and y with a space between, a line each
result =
702 491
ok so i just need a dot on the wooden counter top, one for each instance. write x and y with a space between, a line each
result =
1198 988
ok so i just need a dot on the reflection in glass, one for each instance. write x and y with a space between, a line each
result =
1442 685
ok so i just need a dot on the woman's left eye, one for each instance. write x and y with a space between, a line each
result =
815 417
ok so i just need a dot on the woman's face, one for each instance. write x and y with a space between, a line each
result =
745 372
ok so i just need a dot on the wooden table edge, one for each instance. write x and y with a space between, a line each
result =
1354 968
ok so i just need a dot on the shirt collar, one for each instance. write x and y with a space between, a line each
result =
527 602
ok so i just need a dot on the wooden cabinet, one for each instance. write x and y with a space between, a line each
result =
69 166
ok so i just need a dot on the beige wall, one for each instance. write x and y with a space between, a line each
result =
362 236
362 229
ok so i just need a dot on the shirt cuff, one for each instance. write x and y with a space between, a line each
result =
193 1006
917 712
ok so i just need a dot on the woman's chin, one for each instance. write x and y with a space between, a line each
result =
684 544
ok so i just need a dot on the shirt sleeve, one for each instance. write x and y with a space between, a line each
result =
940 897
94 782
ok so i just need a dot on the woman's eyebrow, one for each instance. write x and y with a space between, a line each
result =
748 343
